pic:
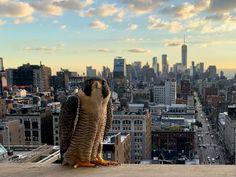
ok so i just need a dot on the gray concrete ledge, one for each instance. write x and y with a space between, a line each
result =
35 170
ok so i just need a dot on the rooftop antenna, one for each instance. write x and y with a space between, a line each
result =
184 38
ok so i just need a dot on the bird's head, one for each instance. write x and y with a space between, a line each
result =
96 83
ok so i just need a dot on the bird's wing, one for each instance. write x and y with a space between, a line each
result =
109 118
67 119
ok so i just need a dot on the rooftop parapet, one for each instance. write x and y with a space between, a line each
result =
37 170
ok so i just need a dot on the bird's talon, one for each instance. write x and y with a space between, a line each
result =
100 161
79 163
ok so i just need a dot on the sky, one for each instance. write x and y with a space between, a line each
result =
73 34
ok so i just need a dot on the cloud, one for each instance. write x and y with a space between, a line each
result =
60 46
104 50
57 7
226 23
15 8
57 47
76 5
105 10
28 19
196 24
217 42
158 24
218 17
140 7
98 25
133 27
47 7
2 22
222 6
173 44
186 10
120 15
213 23
55 21
139 50
136 40
63 27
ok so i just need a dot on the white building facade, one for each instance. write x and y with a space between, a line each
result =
166 93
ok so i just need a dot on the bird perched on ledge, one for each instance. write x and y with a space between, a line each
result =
85 119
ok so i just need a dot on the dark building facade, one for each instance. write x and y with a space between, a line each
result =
25 75
32 77
185 89
119 68
176 142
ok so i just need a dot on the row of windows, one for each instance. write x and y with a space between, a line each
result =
115 128
138 134
139 128
138 157
138 146
139 140
125 122
29 138
138 151
126 128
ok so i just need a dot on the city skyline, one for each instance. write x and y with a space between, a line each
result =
75 34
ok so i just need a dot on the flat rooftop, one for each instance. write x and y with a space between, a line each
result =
55 170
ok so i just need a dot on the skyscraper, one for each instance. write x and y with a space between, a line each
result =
1 64
165 65
90 71
119 68
201 68
212 72
184 54
154 64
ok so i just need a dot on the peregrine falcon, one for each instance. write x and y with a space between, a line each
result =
85 119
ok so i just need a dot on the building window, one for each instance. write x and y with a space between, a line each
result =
125 122
116 122
108 155
27 124
35 125
35 135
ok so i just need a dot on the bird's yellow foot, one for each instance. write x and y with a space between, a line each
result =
79 163
100 161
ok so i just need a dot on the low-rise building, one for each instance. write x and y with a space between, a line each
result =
138 125
32 126
11 132
230 132
168 144
136 108
55 128
2 108
174 111
165 93
3 152
221 125
117 147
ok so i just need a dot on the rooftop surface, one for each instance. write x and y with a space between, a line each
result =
35 170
